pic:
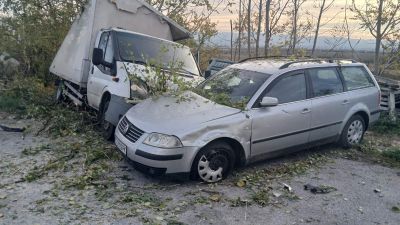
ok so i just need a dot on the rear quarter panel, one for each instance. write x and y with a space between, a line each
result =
365 100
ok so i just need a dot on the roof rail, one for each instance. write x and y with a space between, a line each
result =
268 57
334 60
286 65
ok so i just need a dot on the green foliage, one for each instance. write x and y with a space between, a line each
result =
392 153
261 197
32 31
386 126
21 92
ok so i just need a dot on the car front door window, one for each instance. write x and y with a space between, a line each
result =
289 89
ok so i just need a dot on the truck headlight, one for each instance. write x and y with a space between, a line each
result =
162 141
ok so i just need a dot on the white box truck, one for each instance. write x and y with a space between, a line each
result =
95 59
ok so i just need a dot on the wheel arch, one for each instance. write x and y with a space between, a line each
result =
240 155
365 117
106 94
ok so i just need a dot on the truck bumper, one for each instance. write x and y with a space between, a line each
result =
116 109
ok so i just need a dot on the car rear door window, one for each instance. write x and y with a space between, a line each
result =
325 81
289 89
356 78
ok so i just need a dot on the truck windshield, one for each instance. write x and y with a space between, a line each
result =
232 87
145 49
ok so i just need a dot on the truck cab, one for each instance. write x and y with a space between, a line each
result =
119 54
122 53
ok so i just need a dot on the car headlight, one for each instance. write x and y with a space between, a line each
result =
162 141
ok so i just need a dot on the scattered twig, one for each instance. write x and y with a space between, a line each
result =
45 125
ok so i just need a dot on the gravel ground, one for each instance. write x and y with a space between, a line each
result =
135 198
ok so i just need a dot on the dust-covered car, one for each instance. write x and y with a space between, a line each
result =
250 111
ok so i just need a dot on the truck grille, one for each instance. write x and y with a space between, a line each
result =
130 131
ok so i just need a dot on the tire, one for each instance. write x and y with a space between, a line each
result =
107 129
59 96
353 132
213 163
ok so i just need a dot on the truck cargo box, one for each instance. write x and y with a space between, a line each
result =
72 61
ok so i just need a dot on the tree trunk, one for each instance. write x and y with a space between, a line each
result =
231 41
249 28
259 27
321 10
378 39
294 31
267 27
240 29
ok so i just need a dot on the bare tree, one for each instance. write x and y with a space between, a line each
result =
294 38
231 39
240 28
381 18
323 7
259 26
249 27
273 14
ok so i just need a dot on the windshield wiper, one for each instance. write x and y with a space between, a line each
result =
141 62
187 71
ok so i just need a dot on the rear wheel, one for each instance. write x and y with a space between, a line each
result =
353 132
106 127
214 162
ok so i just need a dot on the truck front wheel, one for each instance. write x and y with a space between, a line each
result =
106 127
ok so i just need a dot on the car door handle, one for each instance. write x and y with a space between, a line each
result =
306 110
345 102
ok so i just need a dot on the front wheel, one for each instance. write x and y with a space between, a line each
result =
353 132
106 127
214 162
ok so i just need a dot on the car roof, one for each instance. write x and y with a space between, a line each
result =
277 66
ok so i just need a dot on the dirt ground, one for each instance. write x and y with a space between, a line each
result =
362 192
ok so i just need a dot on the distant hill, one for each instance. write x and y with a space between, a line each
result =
223 39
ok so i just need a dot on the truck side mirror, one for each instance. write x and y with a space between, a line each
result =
207 74
97 57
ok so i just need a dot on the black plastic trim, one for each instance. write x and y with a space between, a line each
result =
158 157
296 132
376 112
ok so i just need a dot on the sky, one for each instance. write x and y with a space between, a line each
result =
336 12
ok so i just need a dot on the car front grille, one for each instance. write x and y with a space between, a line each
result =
130 131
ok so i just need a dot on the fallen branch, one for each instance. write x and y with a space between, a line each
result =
11 129
45 125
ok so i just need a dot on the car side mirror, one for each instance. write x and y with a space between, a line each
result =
269 101
97 57
207 74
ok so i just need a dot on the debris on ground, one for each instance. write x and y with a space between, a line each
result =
287 187
11 129
276 194
321 189
396 209
241 183
376 190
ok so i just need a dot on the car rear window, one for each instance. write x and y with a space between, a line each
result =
356 78
325 81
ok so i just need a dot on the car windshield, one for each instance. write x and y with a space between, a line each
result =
232 87
144 49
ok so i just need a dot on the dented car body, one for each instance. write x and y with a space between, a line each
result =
250 111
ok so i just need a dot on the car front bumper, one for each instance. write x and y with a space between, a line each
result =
156 160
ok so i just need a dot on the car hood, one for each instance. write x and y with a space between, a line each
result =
169 114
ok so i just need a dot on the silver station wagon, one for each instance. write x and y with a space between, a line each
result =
250 111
